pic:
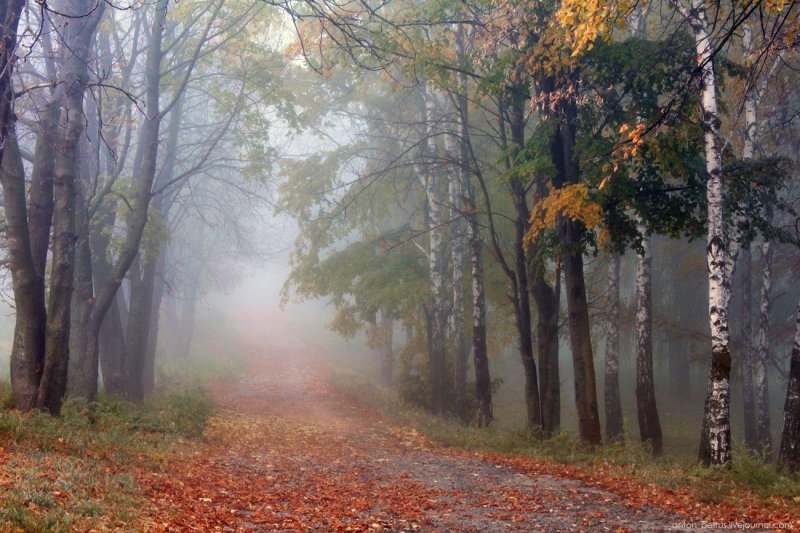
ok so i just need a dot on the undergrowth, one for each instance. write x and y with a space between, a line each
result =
78 471
749 476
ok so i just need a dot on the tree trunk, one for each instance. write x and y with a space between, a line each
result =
27 352
483 380
437 313
9 15
149 139
790 437
40 213
613 404
715 437
386 333
547 308
748 353
521 294
459 339
78 33
162 203
581 341
187 323
28 346
149 378
547 300
571 233
81 369
646 408
763 429
138 332
113 352
466 203
747 356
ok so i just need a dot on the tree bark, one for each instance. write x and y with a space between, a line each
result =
580 340
763 425
571 234
715 436
40 212
80 368
459 339
28 345
789 455
747 356
149 377
437 313
547 309
480 356
149 139
10 12
80 22
138 331
113 352
613 404
647 410
521 292
386 333
27 351
748 353
466 204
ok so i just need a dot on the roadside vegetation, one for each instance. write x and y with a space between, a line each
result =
79 471
751 483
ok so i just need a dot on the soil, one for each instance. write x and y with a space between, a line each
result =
287 453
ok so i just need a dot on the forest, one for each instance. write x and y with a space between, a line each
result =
352 265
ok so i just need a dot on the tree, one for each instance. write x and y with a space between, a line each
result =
39 359
613 404
722 240
789 454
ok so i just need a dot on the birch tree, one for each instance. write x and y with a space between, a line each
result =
722 240
646 408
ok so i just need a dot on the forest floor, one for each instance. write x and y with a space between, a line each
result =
292 448
287 452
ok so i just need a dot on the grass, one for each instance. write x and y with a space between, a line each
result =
78 471
199 371
749 477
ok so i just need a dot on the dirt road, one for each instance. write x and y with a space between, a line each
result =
287 453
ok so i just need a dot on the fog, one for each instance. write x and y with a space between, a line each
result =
598 243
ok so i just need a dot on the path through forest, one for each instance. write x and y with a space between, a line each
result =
288 453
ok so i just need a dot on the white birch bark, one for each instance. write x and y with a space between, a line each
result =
715 441
457 258
646 408
483 383
432 182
